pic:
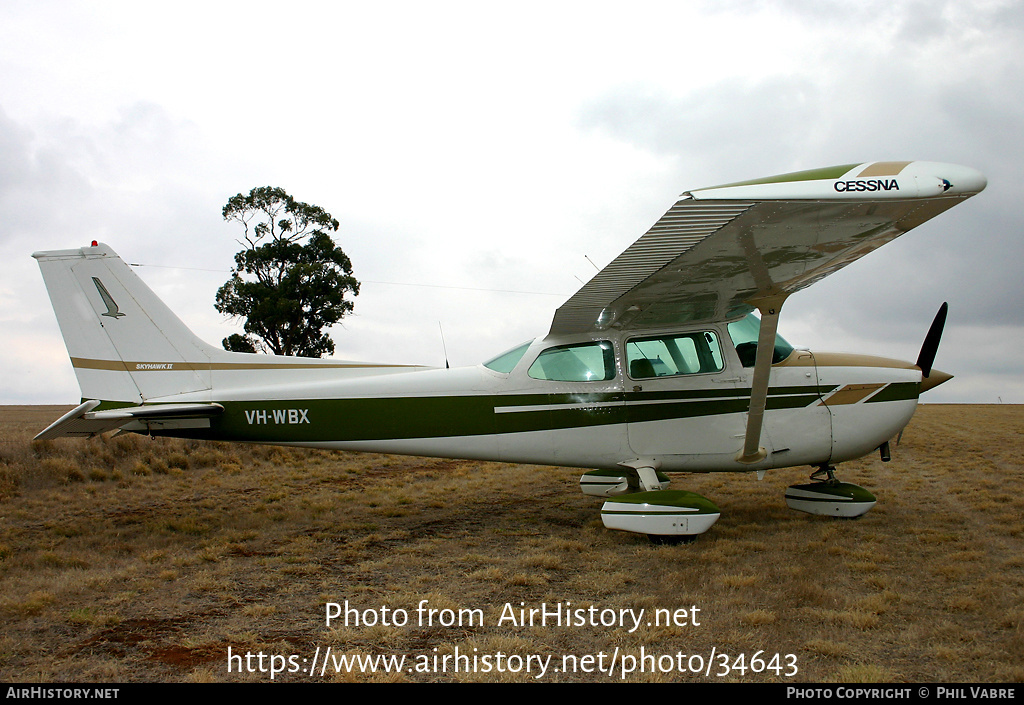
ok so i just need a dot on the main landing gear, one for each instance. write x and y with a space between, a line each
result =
637 501
827 496
643 506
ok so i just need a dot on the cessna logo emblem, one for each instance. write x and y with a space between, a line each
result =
108 300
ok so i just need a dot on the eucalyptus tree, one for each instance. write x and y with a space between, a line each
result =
291 281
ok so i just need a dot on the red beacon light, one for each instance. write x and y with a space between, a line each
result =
95 244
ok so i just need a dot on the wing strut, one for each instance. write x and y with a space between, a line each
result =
769 308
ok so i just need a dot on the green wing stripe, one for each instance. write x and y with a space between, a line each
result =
831 172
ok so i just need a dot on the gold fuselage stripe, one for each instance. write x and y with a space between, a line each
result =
121 366
851 394
828 359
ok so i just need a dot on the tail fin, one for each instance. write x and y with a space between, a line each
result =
118 332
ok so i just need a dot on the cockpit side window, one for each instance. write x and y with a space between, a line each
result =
669 355
586 362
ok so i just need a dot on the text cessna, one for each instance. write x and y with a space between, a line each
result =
867 185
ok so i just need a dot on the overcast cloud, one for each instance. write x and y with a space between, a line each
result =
471 150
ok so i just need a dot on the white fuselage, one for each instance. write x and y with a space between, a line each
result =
822 409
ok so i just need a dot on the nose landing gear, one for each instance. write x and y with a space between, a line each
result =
636 502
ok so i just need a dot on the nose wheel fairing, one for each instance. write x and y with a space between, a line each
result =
827 496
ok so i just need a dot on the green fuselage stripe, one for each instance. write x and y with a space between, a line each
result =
374 419
897 391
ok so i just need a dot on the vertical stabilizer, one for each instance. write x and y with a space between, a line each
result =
124 343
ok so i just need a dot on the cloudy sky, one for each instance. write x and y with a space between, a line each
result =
480 156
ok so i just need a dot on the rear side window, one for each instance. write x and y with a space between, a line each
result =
666 356
588 362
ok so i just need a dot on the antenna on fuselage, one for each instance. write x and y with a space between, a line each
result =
443 346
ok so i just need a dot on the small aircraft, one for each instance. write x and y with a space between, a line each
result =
656 365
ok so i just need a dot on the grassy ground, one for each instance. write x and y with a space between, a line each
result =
132 559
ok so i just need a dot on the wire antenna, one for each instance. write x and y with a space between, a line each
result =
443 346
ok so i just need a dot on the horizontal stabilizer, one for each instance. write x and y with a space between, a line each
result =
83 421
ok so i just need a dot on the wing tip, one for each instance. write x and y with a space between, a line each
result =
862 181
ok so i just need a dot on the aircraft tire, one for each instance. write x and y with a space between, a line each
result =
671 539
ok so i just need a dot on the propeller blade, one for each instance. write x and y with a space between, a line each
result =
931 341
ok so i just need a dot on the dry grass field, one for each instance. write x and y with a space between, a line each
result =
135 559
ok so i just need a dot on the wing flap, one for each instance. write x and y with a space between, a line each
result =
686 225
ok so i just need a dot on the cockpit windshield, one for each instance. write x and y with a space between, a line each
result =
506 362
744 336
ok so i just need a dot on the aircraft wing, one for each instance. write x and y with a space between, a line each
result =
83 421
718 250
